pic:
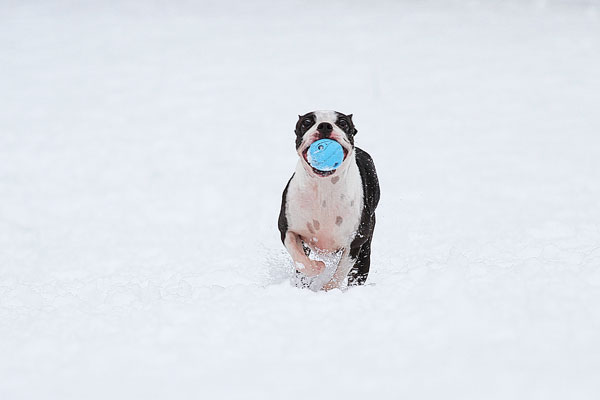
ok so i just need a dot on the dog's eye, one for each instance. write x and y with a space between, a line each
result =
342 123
307 122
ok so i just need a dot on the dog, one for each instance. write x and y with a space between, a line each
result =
330 213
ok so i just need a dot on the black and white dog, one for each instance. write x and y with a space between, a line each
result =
333 212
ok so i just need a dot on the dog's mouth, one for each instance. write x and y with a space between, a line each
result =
319 172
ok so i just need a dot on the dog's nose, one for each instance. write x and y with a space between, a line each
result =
324 128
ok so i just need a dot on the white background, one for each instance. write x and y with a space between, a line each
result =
144 147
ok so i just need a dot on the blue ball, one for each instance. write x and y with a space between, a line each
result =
325 155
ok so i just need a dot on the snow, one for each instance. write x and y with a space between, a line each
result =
144 147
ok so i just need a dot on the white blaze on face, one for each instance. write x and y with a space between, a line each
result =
326 116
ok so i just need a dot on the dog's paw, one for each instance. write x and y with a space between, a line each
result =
312 269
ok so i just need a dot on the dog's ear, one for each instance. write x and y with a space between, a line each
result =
355 131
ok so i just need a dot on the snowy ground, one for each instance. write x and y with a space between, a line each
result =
144 147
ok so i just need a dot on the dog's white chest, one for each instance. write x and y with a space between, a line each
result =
325 211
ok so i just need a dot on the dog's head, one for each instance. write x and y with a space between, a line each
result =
324 125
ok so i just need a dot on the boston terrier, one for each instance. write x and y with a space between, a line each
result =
329 215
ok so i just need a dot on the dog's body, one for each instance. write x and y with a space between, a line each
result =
330 212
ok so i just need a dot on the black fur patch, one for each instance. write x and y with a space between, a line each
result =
344 122
360 248
305 122
282 223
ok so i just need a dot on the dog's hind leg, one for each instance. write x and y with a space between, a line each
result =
344 266
359 273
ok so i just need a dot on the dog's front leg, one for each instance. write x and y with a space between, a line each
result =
308 267
345 265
